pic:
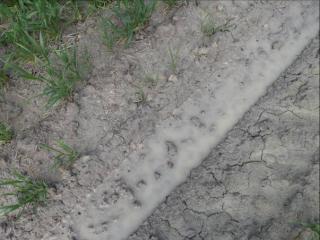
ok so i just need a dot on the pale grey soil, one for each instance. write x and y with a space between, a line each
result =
263 179
259 180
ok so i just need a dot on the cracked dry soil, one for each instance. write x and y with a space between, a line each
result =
256 184
262 180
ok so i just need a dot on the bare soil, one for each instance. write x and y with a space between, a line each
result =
103 120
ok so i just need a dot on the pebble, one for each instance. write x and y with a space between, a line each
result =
173 78
203 51
220 7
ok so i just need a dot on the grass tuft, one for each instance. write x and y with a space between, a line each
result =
34 16
174 56
151 80
128 17
315 228
209 28
6 134
26 191
31 48
171 3
28 28
60 73
63 73
64 155
97 4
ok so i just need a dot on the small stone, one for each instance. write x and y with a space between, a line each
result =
133 146
214 45
173 78
306 234
149 98
161 77
175 18
203 51
165 30
85 158
220 7
128 78
315 71
139 37
276 45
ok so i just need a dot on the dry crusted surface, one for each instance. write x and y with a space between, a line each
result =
262 179
238 192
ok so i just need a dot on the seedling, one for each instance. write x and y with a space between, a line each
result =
129 16
64 155
141 97
174 55
4 78
6 134
151 80
26 191
209 28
